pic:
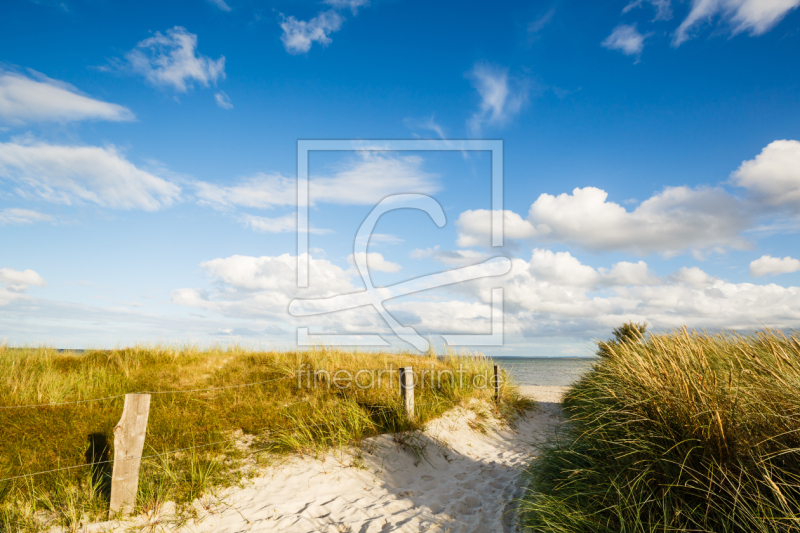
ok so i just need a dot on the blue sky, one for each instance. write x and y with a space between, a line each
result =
148 166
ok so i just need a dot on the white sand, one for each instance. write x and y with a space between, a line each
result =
466 483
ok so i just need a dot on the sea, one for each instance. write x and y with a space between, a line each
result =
545 371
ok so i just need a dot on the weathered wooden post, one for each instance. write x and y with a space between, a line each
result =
128 445
496 383
407 390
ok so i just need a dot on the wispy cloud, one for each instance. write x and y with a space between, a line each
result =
76 174
663 8
537 25
18 216
627 39
172 61
753 16
223 100
365 180
37 98
502 97
220 4
352 5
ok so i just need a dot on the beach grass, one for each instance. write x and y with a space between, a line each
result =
300 404
683 431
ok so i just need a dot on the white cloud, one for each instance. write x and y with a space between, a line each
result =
172 60
625 273
16 280
663 8
677 220
352 5
535 26
552 294
384 238
773 177
753 16
38 98
299 35
561 268
773 266
223 100
366 180
501 96
220 4
450 257
261 191
474 228
627 39
13 283
376 262
372 177
283 224
22 216
68 174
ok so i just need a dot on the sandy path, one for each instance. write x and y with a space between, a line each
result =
466 483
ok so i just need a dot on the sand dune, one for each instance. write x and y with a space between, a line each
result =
466 482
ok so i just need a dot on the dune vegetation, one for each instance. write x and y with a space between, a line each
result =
683 431
199 438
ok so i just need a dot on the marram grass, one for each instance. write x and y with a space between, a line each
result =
676 432
285 415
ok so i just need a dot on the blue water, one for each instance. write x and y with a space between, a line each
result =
549 371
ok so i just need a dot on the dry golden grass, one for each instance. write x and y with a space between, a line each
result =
290 413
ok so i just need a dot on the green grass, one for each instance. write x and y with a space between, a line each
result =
676 432
282 416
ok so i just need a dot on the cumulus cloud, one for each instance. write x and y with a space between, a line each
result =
251 287
70 174
627 39
299 35
223 100
502 97
753 16
172 61
13 283
475 227
773 266
375 262
37 98
773 177
22 216
552 294
677 220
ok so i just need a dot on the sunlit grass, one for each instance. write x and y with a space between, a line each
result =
299 410
677 432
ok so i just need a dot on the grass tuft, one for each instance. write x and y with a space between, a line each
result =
676 432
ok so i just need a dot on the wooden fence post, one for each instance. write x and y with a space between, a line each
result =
128 445
496 383
407 390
